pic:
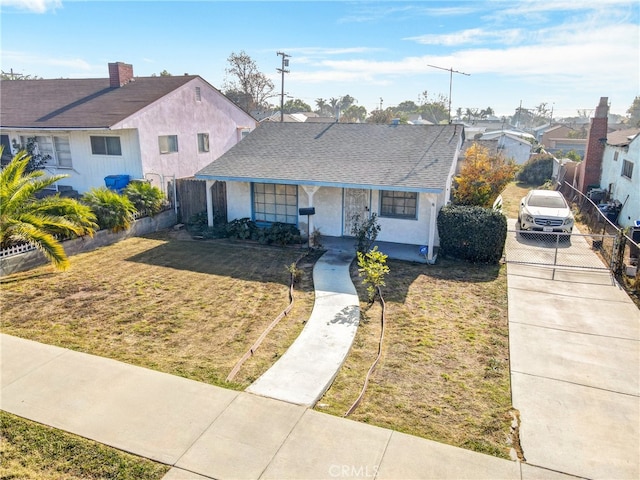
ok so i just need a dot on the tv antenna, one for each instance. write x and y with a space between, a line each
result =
451 72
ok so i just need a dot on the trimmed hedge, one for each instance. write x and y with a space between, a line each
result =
472 233
537 170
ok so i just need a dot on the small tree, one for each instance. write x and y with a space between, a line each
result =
365 231
372 268
245 84
482 177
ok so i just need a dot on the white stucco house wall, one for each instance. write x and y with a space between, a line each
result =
155 128
620 175
403 173
514 146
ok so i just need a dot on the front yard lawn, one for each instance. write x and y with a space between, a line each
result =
444 372
193 308
183 307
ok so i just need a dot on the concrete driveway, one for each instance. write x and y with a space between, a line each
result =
574 338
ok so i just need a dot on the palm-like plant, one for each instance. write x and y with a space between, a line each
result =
24 218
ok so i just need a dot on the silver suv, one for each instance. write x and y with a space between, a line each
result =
545 211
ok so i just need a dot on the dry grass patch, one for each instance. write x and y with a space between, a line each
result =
444 373
183 307
511 197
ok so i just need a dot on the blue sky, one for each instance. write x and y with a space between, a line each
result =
565 53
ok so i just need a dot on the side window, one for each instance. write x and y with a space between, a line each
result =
168 143
203 142
106 146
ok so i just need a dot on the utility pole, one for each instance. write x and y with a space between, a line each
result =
451 72
285 63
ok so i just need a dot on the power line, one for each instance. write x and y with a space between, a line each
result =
451 72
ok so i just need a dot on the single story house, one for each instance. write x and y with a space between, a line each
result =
124 126
403 173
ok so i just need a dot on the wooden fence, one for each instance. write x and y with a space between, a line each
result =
192 198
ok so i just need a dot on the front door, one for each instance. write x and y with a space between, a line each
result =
355 203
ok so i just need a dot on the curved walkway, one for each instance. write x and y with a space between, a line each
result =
308 367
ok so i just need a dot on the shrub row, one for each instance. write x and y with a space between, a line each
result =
246 229
472 233
114 211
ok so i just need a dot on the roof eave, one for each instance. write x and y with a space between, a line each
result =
396 188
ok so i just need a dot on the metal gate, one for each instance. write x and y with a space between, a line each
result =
583 251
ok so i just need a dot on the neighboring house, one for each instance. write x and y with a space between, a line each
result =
403 173
514 145
144 127
557 139
621 173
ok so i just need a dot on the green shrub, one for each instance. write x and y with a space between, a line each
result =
537 170
145 197
113 211
366 231
472 233
242 229
280 234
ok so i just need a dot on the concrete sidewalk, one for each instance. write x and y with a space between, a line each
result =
208 432
308 367
574 338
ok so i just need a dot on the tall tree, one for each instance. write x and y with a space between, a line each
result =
433 109
323 106
482 177
245 84
634 113
24 218
295 106
354 113
381 116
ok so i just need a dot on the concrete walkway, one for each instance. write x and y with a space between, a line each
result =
307 369
204 431
574 339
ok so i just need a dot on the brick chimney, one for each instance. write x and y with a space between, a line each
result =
120 74
592 164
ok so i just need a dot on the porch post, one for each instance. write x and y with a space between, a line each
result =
432 226
210 202
311 190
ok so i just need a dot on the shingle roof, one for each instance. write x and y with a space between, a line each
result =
399 157
622 138
78 103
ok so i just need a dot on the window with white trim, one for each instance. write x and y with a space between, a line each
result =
168 143
105 145
275 203
627 169
398 204
56 147
203 142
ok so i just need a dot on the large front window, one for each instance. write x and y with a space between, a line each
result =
275 203
398 204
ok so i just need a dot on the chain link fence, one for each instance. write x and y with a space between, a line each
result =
585 251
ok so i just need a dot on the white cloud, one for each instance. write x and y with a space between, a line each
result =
35 6
472 36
